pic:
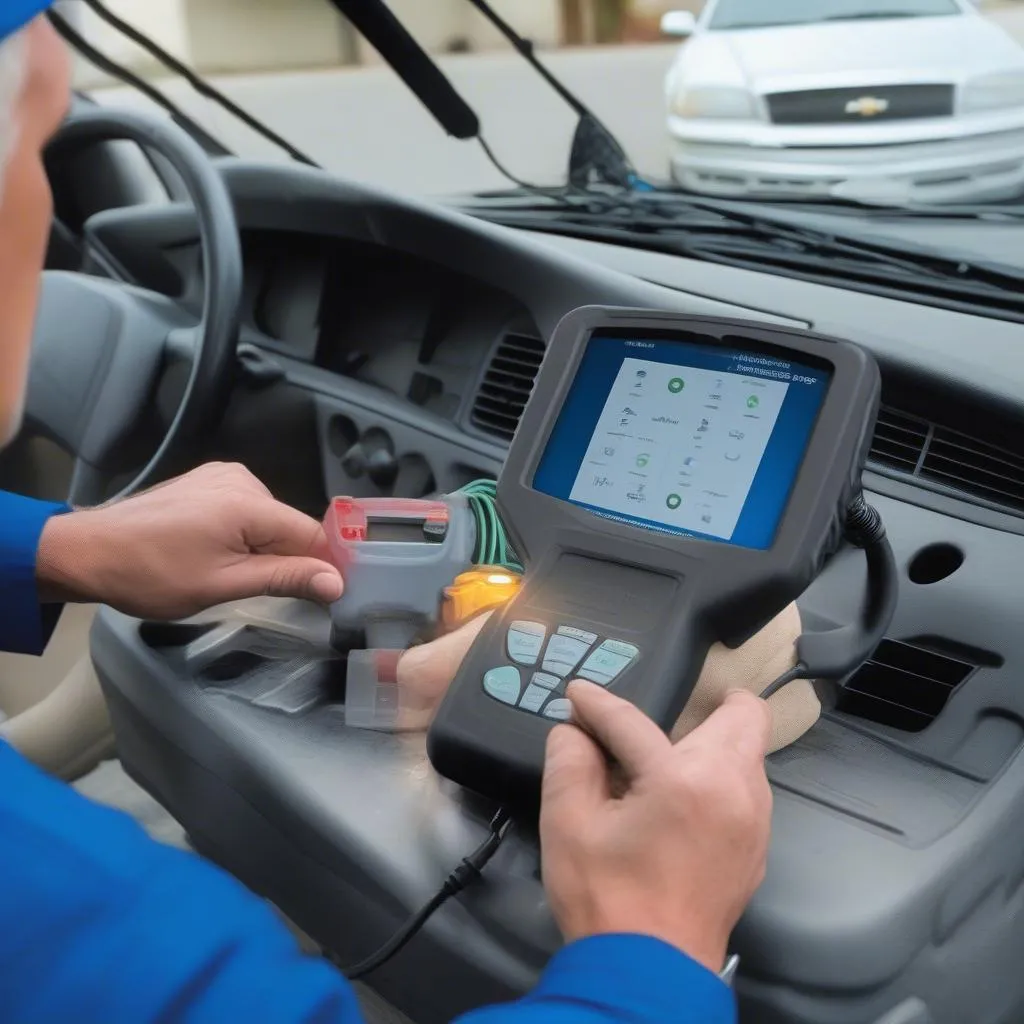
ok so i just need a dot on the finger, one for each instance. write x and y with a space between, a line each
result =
742 724
280 576
620 727
273 528
432 667
575 777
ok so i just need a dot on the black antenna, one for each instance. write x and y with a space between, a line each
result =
526 50
597 156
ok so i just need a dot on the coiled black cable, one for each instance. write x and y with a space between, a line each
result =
835 654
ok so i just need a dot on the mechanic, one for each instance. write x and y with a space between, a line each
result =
100 924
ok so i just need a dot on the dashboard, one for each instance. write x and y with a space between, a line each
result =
410 336
439 320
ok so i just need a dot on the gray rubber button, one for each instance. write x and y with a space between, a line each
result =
618 647
548 682
560 709
578 634
525 642
563 654
607 662
533 699
503 684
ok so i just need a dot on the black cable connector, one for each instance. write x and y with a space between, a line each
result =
468 871
864 526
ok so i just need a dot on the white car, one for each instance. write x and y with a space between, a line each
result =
891 101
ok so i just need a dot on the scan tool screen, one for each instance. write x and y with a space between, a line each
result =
675 436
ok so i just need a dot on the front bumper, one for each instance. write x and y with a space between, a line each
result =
979 168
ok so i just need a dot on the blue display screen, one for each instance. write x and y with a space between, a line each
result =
693 439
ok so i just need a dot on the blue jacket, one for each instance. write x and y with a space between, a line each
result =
101 925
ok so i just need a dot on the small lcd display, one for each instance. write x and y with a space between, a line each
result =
694 439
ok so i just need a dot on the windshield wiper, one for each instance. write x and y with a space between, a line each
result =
853 16
196 81
873 16
705 230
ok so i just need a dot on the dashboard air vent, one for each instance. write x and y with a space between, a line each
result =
900 441
903 686
930 452
507 385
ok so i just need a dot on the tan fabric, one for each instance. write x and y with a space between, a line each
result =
68 732
755 665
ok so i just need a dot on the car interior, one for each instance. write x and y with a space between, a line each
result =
340 340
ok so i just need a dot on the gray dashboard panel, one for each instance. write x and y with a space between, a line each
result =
897 866
896 859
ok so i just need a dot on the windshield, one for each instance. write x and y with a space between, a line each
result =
891 123
736 14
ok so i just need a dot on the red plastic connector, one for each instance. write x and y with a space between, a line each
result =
348 519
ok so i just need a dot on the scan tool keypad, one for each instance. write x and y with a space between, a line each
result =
545 659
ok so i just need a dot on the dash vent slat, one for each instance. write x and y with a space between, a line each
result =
974 467
903 686
507 385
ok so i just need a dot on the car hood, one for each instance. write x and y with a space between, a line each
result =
872 52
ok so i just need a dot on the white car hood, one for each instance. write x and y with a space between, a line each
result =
869 52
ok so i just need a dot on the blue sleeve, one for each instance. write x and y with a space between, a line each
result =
98 923
25 625
619 978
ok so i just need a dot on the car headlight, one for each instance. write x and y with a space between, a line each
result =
715 102
994 92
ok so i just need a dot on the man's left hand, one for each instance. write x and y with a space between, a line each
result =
214 535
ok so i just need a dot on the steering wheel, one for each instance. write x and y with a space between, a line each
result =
101 348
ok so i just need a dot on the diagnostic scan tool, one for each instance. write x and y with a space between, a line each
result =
675 481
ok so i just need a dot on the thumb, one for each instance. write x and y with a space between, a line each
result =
575 775
282 576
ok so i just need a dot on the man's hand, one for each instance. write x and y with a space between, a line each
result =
426 672
680 852
214 535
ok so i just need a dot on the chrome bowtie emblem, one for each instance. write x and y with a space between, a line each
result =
867 106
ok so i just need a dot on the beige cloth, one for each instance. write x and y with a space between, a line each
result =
755 665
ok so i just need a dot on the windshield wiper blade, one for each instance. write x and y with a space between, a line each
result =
653 213
111 67
196 81
872 16
753 242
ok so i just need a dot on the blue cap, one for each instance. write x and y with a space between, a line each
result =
15 14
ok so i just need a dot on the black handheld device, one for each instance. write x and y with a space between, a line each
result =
674 481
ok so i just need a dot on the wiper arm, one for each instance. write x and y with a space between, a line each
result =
705 231
109 66
596 153
174 65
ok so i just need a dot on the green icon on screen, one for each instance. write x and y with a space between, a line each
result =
676 384
753 402
673 501
642 460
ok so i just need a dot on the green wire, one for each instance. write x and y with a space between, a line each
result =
493 547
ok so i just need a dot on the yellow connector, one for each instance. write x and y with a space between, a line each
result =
480 590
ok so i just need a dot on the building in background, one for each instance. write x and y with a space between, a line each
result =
226 36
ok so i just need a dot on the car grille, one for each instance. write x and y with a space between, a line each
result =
860 106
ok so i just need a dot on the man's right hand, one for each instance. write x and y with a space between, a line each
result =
680 850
